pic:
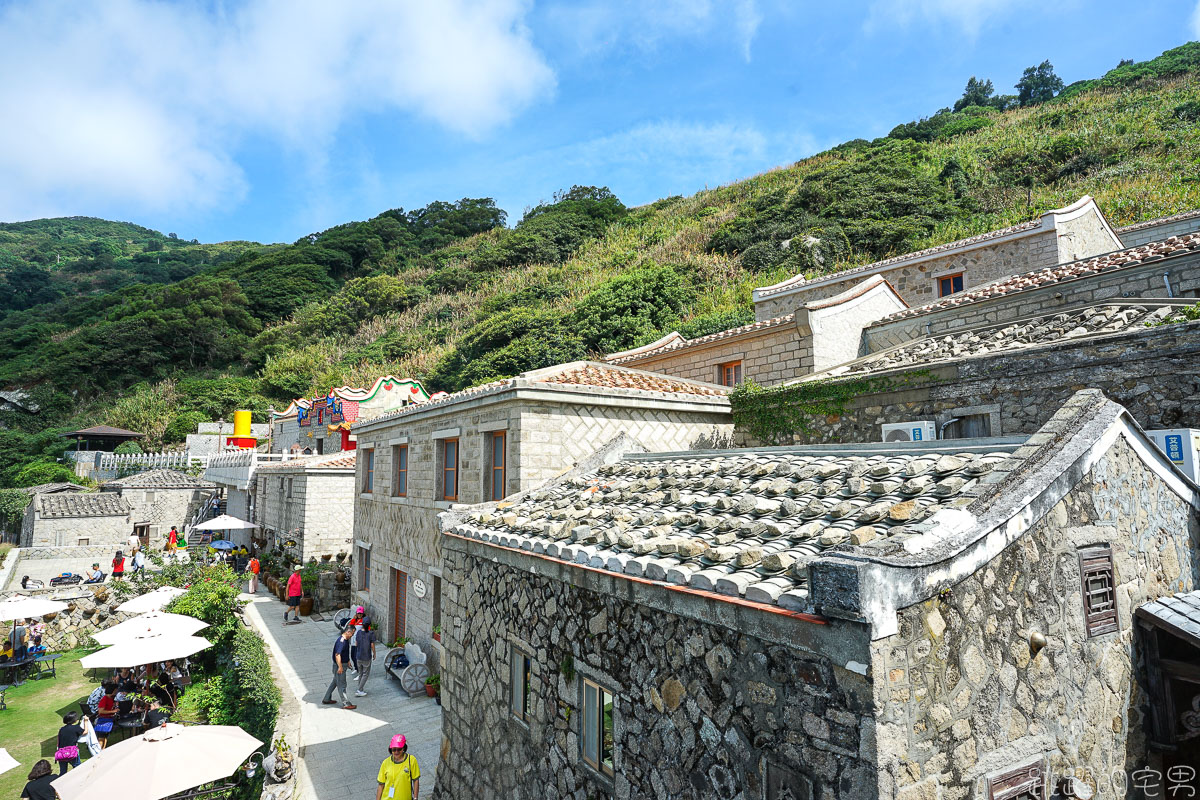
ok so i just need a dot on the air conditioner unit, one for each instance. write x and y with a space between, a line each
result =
1180 445
923 431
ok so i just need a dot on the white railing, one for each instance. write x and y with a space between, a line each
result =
116 464
236 468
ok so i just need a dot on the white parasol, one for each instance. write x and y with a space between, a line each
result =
224 523
20 606
7 762
151 623
151 601
144 650
161 762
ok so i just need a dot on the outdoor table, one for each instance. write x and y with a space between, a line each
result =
133 722
13 668
46 665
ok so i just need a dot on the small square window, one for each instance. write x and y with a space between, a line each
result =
519 687
729 374
596 740
950 284
1099 590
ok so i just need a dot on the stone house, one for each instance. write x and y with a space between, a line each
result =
1058 236
77 520
488 442
309 501
812 336
902 621
319 425
159 499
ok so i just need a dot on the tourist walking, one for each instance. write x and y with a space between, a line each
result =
341 659
118 565
294 591
39 786
67 754
399 774
253 568
133 544
364 651
172 542
139 562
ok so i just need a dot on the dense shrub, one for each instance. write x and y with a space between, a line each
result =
181 425
40 472
628 308
212 596
716 322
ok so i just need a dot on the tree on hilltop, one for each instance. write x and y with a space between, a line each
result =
977 93
1038 84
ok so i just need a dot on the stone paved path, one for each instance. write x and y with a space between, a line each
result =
342 750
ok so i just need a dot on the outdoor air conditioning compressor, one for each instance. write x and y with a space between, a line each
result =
1180 445
922 431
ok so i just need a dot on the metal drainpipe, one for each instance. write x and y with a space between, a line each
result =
947 423
1167 283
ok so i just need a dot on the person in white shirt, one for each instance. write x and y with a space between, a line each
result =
133 544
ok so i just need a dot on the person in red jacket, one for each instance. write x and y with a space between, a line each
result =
294 591
118 566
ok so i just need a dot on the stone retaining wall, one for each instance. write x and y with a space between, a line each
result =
90 609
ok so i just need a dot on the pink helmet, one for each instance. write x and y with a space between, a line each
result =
398 741
360 610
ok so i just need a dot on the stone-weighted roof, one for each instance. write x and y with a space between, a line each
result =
1046 329
1173 247
161 479
737 523
91 504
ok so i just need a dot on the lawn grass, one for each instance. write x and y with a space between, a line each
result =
29 726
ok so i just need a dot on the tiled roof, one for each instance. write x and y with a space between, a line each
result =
681 343
161 479
589 374
928 252
738 523
91 504
105 430
1046 329
1153 223
53 488
1014 284
1179 613
341 460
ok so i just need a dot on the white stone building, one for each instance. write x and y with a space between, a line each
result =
159 499
77 520
309 501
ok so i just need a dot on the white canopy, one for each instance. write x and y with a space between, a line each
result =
7 762
159 763
224 523
144 650
151 623
151 601
20 606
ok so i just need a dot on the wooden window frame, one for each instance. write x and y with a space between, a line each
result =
364 568
520 688
1098 583
399 469
1024 782
962 283
449 471
368 485
597 763
736 367
494 438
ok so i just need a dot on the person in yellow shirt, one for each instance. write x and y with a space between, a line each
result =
399 775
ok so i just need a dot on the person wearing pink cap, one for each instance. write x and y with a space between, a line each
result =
358 622
399 775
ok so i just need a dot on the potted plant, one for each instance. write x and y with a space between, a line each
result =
308 585
433 684
341 556
326 556
437 633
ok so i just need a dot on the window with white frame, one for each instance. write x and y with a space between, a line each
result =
596 738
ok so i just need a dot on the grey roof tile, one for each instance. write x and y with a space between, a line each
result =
91 504
161 479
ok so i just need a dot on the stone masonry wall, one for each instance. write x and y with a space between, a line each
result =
166 507
776 355
318 514
916 281
89 609
69 531
1083 237
962 697
1155 373
1140 281
701 709
1158 233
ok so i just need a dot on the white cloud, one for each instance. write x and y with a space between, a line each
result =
968 15
597 26
144 103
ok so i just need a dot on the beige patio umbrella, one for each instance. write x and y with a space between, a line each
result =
151 623
159 763
7 762
151 601
20 606
144 650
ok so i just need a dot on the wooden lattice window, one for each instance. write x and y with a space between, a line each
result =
1099 590
1024 783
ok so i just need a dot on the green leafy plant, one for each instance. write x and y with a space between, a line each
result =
567 667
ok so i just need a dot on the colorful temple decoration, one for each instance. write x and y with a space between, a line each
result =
346 404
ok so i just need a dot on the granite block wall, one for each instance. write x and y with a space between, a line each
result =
773 356
1157 233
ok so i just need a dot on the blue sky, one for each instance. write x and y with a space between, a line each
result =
270 119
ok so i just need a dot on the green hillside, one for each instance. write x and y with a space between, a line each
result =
451 295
